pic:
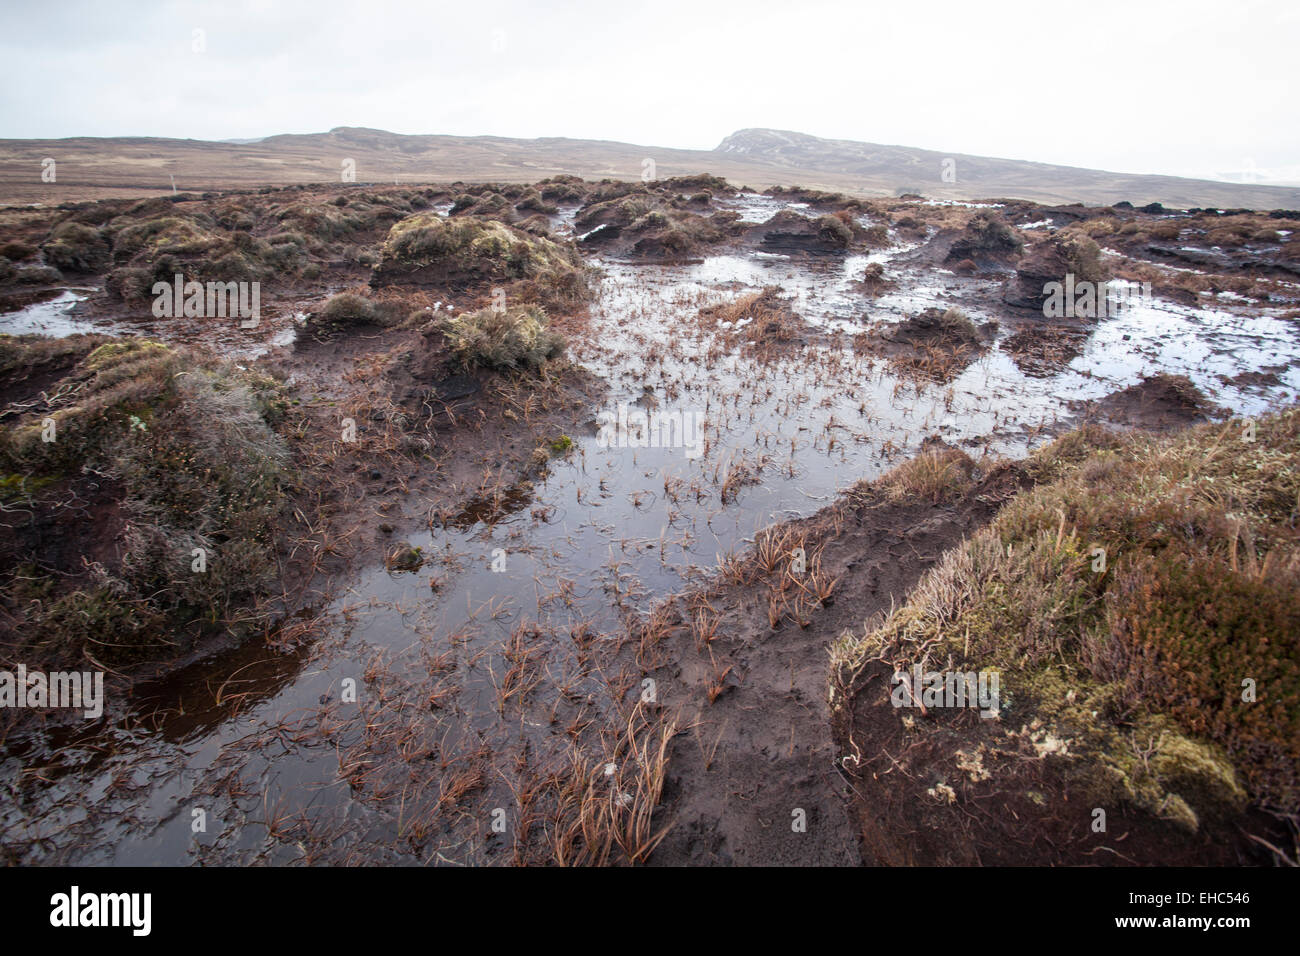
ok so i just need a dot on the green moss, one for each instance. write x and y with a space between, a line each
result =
20 487
112 354
406 558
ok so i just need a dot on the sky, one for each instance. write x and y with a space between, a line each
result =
1184 88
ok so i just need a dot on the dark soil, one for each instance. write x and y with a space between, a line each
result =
764 748
934 344
1158 403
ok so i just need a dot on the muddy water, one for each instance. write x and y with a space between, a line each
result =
58 313
285 768
53 313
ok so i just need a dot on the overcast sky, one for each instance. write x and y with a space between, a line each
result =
1189 87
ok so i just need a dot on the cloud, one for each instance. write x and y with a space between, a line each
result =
1141 88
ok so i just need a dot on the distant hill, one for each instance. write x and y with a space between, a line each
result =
88 167
984 177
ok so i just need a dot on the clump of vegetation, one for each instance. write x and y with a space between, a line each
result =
537 225
1101 227
935 344
1068 252
757 320
511 338
647 222
148 240
935 475
1166 231
130 283
346 310
157 249
696 183
874 278
76 247
405 558
347 307
680 233
986 236
467 249
1140 606
943 327
835 231
567 189
617 211
876 237
1082 256
533 202
326 220
28 275
815 197
235 239
182 470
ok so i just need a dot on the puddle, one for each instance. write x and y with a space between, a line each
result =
55 316
757 208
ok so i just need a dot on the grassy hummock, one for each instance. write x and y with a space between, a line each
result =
469 247
173 461
1133 602
513 338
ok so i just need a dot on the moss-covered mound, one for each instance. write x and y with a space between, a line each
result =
348 311
426 249
1140 606
76 247
224 238
141 494
195 245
